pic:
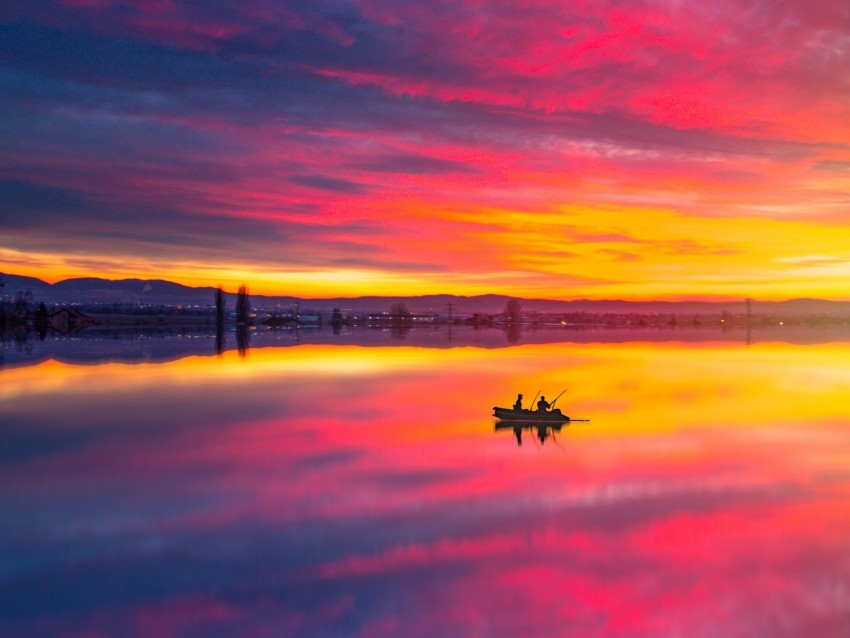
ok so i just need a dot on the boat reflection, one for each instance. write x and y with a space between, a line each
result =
542 431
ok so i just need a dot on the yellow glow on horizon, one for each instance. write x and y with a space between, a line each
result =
592 252
646 253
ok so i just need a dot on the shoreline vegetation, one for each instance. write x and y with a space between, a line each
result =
21 313
32 330
77 317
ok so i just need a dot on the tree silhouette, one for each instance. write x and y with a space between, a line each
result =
400 314
41 320
337 320
22 305
219 320
243 319
513 311
243 306
219 306
2 304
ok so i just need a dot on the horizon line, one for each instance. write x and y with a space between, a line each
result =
671 300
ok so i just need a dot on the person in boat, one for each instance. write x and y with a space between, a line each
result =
542 405
518 404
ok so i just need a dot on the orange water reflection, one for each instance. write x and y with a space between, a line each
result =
320 490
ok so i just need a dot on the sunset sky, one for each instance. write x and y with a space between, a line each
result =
601 149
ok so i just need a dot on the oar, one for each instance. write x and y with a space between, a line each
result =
552 405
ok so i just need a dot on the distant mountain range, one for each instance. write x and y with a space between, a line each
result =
104 291
92 290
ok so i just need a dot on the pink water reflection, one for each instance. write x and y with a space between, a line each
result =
324 490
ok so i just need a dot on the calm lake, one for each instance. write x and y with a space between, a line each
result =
355 486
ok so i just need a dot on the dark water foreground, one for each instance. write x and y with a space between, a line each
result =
330 489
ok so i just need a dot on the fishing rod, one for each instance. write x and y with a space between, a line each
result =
533 400
552 405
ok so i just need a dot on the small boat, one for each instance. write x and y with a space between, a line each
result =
530 416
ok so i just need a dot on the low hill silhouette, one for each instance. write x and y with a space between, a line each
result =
94 290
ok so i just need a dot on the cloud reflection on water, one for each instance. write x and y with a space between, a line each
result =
319 490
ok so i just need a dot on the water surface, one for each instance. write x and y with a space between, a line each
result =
317 489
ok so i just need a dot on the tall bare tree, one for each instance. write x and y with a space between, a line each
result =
243 306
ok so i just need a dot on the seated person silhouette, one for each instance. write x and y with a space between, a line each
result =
518 404
542 405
